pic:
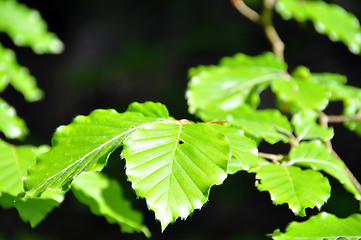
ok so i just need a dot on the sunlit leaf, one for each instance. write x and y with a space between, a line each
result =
14 162
300 189
17 76
10 124
105 198
173 166
316 156
302 93
330 19
233 82
149 109
244 150
268 124
306 126
82 146
26 28
321 227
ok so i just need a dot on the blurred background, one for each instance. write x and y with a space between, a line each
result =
121 51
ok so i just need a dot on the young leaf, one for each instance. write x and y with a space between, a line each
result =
10 124
82 146
232 83
14 162
330 19
268 124
173 165
300 189
322 226
244 150
306 127
26 28
105 198
149 109
304 94
18 76
316 156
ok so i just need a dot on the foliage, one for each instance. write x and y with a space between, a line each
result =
174 163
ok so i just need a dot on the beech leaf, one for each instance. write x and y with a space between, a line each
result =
244 150
233 82
330 19
14 162
173 165
268 124
10 124
104 197
300 189
306 126
316 156
16 75
149 109
82 146
323 226
26 28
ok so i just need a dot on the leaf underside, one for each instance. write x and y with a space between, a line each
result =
105 198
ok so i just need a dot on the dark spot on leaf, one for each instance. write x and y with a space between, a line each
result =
180 142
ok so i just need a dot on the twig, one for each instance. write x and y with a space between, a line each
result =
246 11
275 158
278 46
324 120
343 118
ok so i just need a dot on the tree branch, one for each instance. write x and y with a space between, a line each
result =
278 46
246 11
275 158
324 120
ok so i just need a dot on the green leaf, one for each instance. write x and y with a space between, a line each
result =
316 156
322 226
14 162
306 126
18 76
26 28
33 210
173 166
268 124
300 189
149 109
352 107
82 146
105 198
330 19
302 93
335 83
233 82
244 150
10 124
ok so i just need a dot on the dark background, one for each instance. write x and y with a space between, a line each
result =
120 51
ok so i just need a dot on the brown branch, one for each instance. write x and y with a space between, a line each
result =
275 158
324 120
246 11
278 46
343 118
